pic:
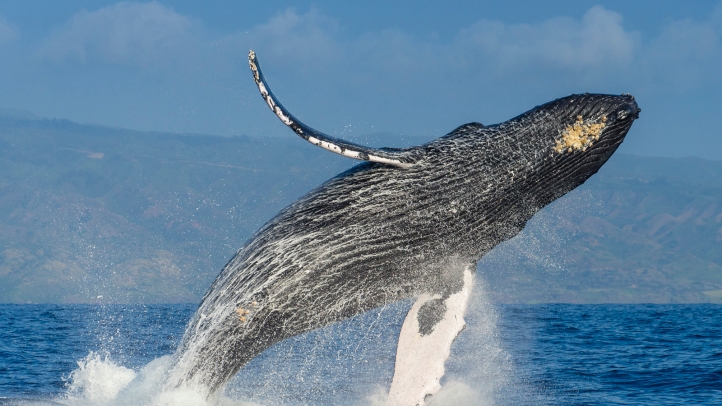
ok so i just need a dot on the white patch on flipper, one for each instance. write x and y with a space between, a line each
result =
395 162
334 148
420 359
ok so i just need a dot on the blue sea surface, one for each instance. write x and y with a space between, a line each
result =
509 354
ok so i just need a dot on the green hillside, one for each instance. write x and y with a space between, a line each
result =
95 214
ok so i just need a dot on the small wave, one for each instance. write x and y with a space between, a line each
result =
98 381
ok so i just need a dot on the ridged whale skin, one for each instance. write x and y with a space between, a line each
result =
402 225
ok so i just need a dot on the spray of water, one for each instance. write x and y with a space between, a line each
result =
346 363
99 381
479 370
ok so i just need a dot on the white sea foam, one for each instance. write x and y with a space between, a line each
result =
321 365
99 381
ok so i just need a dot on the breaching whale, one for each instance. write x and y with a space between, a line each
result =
407 223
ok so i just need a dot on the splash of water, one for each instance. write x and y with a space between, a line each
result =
479 371
98 381
346 363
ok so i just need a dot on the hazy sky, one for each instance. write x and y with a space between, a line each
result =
355 67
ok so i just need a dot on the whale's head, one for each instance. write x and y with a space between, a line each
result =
557 146
585 125
569 139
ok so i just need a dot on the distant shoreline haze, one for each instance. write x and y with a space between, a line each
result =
91 214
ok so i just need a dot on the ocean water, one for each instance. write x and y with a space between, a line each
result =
509 354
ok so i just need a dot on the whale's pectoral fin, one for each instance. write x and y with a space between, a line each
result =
430 327
403 158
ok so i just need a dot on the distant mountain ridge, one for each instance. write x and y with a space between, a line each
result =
96 214
642 230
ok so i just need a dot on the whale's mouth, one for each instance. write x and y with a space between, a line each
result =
626 111
620 119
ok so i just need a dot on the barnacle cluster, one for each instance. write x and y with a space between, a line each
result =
242 313
580 135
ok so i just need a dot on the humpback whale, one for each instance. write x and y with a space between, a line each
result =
404 223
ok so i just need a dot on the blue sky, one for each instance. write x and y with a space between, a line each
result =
350 68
